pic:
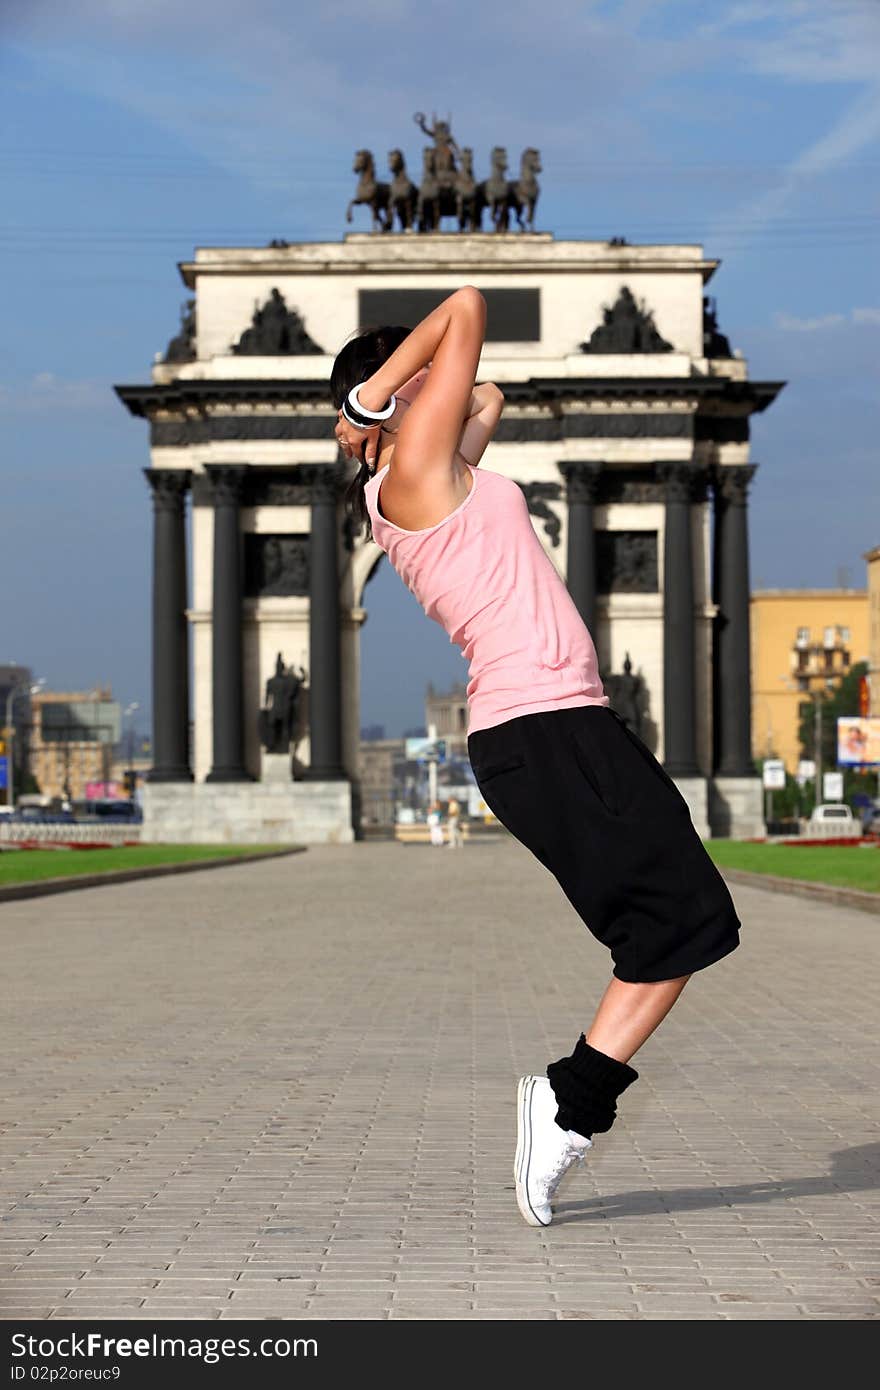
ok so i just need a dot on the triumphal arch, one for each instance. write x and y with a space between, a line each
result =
626 425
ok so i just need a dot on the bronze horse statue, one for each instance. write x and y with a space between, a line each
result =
527 188
404 194
469 200
503 196
376 195
497 191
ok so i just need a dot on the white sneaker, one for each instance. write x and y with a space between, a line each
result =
544 1152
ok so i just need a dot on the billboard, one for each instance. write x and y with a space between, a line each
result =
425 750
858 742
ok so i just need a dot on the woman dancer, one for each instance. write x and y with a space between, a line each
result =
555 763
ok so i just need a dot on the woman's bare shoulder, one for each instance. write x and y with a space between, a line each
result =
414 502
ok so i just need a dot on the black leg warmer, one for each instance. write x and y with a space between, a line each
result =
587 1085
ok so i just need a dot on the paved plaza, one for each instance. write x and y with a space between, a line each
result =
286 1090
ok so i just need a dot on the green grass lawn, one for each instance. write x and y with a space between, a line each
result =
842 865
25 865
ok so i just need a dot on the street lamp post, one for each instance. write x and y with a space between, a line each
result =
817 741
129 711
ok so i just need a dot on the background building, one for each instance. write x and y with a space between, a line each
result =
801 639
626 426
448 713
73 737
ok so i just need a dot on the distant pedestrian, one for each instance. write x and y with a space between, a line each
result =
435 823
453 821
553 761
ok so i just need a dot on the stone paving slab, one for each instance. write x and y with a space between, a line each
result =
289 1092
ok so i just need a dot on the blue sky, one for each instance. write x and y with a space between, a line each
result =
133 132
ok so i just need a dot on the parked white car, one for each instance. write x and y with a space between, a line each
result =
831 811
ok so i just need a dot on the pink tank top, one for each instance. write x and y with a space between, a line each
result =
483 575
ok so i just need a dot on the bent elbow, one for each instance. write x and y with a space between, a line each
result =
472 298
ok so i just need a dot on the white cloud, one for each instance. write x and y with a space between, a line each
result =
801 40
812 42
45 393
855 131
790 323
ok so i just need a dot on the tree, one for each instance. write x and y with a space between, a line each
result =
842 701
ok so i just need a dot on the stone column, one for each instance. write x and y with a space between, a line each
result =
581 491
170 635
732 663
325 674
679 653
226 648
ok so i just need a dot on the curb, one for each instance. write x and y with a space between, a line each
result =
803 888
10 892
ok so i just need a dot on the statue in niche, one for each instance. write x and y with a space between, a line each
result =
278 717
276 331
627 695
627 327
182 347
715 343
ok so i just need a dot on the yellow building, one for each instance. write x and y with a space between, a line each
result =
872 557
802 640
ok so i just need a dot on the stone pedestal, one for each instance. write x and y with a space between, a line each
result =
736 807
248 813
696 794
276 768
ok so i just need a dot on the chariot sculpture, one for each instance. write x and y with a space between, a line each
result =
447 188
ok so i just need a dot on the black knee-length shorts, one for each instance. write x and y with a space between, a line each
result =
581 790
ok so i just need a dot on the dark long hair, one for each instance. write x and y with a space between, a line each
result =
359 359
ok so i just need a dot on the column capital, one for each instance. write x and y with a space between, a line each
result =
681 479
731 482
581 480
323 480
227 481
169 487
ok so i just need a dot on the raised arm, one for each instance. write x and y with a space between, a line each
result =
481 422
451 340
